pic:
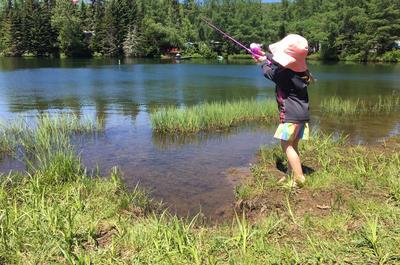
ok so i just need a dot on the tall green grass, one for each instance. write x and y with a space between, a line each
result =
42 132
345 107
54 211
218 115
212 116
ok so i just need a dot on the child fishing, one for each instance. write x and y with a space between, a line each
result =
286 67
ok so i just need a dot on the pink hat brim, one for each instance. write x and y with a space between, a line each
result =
287 61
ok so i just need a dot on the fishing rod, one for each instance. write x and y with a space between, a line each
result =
254 49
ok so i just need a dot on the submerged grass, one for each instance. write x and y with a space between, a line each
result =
341 107
212 116
57 214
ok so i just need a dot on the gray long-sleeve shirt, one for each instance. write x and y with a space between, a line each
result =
291 92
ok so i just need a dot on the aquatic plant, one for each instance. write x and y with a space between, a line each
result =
386 104
340 106
346 107
42 132
219 116
212 116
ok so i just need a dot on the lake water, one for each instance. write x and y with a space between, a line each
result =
187 173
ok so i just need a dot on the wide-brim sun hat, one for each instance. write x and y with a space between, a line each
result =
291 52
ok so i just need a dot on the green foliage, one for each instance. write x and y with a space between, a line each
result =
132 44
68 25
112 43
391 56
158 38
206 51
40 36
17 32
347 30
5 36
240 56
97 25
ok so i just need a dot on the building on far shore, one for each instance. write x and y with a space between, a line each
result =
171 53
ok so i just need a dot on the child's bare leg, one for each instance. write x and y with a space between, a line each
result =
293 160
295 145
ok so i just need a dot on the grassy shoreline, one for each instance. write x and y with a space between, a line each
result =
348 212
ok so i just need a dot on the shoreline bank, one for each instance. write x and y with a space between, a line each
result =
229 57
348 211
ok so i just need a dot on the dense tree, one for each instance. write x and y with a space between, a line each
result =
17 34
97 25
383 25
71 38
40 35
132 42
5 32
337 29
120 21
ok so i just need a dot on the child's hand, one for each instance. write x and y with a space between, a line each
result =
258 58
257 54
256 49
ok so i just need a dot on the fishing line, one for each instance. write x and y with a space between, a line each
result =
211 25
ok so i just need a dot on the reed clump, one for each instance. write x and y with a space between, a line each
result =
219 116
345 107
40 134
212 116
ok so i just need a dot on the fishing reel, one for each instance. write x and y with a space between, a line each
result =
257 52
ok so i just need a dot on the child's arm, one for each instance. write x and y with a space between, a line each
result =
269 68
265 59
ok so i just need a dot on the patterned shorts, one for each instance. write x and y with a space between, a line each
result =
290 131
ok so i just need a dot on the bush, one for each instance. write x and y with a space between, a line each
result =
353 57
189 50
328 52
206 51
391 56
196 56
314 56
240 56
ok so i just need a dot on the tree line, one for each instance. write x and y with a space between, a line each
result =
336 29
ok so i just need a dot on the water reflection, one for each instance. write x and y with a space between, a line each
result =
364 129
168 141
